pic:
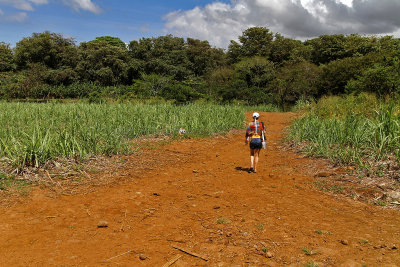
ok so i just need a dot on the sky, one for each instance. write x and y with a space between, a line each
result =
215 21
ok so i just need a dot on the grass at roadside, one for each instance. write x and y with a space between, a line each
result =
358 130
32 133
9 181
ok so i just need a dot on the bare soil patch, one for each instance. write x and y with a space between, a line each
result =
193 203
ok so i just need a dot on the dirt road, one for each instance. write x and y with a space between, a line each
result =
197 196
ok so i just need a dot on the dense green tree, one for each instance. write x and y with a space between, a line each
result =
285 49
62 76
295 81
259 68
255 71
141 49
6 57
103 63
173 56
219 80
152 84
164 55
382 78
50 49
113 41
234 52
169 48
250 80
381 74
179 92
161 67
233 91
336 74
327 48
387 45
255 41
256 96
135 69
356 45
27 83
52 56
203 57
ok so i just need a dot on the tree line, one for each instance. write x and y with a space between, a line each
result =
261 68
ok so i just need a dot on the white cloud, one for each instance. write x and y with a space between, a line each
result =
13 18
23 4
19 17
39 2
219 22
216 22
28 5
87 5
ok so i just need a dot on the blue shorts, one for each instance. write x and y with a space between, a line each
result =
256 143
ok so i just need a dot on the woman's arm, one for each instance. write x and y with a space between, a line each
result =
248 134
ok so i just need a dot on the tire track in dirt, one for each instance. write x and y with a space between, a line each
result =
204 202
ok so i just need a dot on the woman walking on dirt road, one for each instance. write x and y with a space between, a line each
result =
255 133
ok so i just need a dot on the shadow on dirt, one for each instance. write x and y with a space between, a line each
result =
243 169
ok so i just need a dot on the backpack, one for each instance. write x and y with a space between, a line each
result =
257 129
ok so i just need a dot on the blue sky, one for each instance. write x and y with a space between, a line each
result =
126 19
215 21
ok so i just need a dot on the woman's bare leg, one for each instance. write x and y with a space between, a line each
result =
256 157
252 159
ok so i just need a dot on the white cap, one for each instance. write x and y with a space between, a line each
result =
256 115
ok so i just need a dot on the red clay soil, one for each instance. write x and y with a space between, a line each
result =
204 202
